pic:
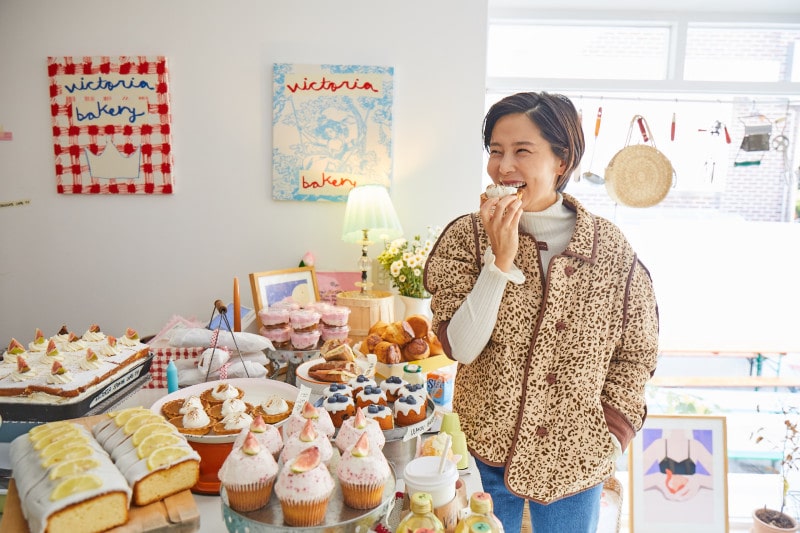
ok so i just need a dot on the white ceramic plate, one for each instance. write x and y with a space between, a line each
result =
318 386
256 390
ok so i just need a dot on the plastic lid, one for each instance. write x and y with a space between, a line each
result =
421 502
481 502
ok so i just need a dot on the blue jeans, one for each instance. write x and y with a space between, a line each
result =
578 513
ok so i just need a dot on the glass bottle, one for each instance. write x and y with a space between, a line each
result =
420 516
481 510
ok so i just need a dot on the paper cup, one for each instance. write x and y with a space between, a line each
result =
422 475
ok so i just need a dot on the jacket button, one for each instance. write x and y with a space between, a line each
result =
551 378
541 431
561 325
569 270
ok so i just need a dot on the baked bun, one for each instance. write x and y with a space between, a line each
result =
388 353
398 333
420 325
378 328
416 349
435 344
372 340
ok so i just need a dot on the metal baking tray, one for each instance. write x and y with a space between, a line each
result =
46 412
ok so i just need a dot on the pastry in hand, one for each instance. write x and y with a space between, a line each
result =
499 191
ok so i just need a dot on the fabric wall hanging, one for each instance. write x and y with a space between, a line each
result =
111 124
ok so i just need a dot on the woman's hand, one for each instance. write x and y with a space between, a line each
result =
500 217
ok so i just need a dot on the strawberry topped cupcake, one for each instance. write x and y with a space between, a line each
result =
307 438
248 475
363 473
354 427
304 489
320 417
267 435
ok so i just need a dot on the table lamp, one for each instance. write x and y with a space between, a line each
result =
369 215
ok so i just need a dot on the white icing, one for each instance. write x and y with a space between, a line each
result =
195 419
274 405
237 421
233 406
192 402
60 379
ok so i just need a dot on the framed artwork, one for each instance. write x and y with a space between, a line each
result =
331 130
111 121
332 283
299 284
678 467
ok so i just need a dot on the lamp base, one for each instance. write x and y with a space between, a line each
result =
366 308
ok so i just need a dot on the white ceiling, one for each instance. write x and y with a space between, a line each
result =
701 6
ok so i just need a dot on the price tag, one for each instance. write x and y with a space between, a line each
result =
370 371
302 398
418 429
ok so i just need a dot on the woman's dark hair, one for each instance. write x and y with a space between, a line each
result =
554 115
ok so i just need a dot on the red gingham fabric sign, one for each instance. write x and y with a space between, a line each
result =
111 125
161 358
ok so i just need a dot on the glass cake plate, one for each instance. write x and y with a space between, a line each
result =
338 518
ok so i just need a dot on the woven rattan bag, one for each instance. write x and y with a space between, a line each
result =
639 175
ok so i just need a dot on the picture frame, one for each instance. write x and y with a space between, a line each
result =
332 283
275 285
678 469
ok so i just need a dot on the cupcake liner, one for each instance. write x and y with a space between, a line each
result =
249 496
304 513
361 495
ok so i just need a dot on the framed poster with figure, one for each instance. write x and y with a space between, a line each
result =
299 284
678 468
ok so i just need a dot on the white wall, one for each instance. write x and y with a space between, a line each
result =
136 261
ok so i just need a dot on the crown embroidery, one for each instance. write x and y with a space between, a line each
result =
111 164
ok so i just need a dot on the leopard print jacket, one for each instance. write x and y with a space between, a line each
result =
567 361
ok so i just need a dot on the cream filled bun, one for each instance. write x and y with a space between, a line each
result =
499 191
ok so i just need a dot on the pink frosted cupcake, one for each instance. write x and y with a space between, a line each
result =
354 427
297 421
304 488
307 438
335 315
274 316
304 319
340 333
248 475
281 337
267 436
363 473
305 340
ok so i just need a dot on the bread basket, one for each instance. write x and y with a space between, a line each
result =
639 175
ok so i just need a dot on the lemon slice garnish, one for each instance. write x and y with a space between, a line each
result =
74 484
73 467
164 456
135 422
123 416
55 436
39 432
73 452
62 444
149 429
156 441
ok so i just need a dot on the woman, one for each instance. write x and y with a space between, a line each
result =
553 318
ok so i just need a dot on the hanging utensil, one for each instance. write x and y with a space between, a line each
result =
590 176
672 128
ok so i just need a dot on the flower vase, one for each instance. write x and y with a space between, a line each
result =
417 306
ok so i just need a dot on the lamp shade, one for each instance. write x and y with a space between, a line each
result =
370 208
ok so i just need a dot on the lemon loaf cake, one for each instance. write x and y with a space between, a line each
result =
156 460
66 481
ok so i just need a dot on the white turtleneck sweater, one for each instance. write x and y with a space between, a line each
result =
472 325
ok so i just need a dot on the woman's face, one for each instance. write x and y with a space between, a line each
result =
519 156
